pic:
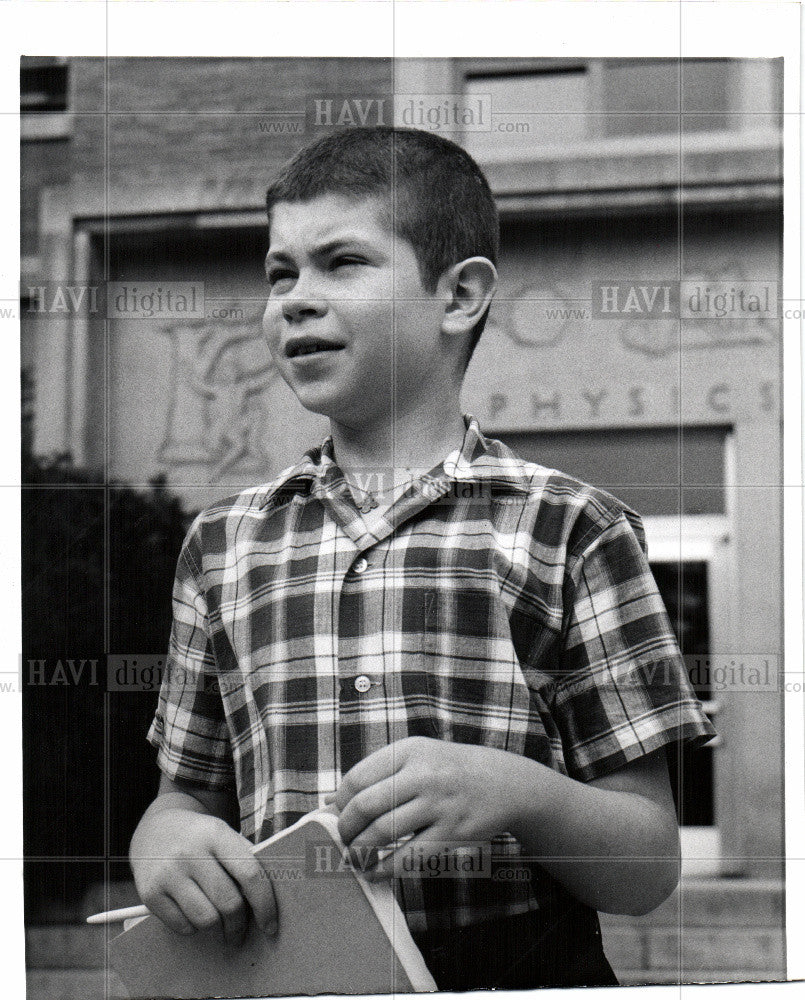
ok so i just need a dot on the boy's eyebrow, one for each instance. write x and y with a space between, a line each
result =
339 243
278 256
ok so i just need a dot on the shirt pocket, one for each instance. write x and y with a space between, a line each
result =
412 693
466 677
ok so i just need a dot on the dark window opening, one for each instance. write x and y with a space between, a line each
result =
43 85
684 589
656 471
519 74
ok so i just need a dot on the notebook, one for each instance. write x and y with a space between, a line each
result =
338 934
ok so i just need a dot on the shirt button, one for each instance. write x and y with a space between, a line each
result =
360 565
362 683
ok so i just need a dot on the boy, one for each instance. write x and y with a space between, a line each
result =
471 652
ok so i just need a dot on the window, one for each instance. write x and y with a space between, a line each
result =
44 114
689 557
543 103
546 106
664 95
659 471
43 84
676 478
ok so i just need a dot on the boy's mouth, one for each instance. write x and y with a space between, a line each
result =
300 346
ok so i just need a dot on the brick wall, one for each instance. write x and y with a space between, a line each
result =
200 118
195 120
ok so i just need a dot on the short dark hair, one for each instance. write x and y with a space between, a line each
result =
440 201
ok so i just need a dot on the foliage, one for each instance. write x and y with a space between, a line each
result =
97 568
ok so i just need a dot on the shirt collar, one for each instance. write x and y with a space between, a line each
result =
485 459
479 459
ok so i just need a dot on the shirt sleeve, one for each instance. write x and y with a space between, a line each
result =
189 728
623 690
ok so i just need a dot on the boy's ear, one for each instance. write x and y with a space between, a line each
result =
467 288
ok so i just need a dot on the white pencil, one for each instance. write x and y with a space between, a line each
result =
113 916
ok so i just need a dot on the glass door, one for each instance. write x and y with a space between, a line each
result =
689 557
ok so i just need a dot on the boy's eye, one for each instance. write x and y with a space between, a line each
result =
279 274
345 261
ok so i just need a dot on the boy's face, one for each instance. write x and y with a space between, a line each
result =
347 316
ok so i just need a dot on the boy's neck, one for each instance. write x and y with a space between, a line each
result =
413 442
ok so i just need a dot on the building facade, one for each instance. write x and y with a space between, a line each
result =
635 342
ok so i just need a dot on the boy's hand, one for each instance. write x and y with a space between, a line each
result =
445 794
613 841
195 872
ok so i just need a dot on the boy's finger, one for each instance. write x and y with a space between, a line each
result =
228 900
235 923
255 881
367 807
381 764
411 857
171 915
394 826
196 907
224 893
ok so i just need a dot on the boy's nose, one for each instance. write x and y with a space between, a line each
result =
302 307
302 303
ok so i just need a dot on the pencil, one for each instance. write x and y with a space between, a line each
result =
113 916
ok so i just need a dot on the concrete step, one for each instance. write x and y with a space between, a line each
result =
72 984
67 946
724 902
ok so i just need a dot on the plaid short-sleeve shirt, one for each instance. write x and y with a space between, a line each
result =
497 603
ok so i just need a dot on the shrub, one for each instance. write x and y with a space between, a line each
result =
97 570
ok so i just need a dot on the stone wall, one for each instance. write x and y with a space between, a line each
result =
709 932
